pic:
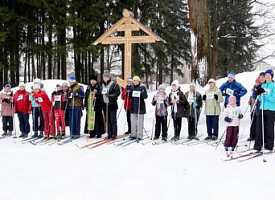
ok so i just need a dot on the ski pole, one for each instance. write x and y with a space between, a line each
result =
72 120
153 128
263 133
222 137
13 118
120 109
138 116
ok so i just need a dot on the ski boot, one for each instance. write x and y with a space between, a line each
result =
4 134
207 138
9 133
21 135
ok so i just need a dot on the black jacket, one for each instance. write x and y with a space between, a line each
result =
113 95
181 105
135 100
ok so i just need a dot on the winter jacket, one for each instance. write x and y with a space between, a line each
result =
269 97
190 99
42 98
138 104
21 102
161 101
125 96
98 102
32 99
5 101
76 95
213 107
111 95
233 113
238 91
59 100
181 105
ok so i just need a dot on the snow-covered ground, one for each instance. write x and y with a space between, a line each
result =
136 172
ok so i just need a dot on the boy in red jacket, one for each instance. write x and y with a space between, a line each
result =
59 103
127 102
47 110
22 106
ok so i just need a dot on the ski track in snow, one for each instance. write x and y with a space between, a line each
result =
136 172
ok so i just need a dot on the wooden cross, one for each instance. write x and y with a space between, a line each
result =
127 24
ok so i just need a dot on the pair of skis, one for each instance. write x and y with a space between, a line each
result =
245 155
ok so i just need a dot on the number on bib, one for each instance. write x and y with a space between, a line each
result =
210 96
57 98
229 91
20 97
104 91
136 93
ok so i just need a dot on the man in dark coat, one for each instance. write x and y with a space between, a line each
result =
93 101
109 95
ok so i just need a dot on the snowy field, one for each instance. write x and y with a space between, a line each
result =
136 172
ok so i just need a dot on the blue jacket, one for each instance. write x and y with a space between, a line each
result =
269 97
238 89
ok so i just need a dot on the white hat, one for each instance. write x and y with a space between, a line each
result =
36 86
37 80
175 82
162 86
22 84
212 81
192 83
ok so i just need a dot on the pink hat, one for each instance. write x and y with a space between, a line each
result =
212 81
232 96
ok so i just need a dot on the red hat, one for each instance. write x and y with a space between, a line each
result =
258 80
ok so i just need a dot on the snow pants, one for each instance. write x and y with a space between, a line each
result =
212 123
7 122
24 124
231 136
37 119
137 123
49 125
161 126
268 130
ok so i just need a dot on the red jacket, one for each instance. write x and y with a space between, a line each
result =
43 100
21 102
127 101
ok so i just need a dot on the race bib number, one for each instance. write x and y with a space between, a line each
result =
20 97
160 100
39 99
267 90
210 96
191 99
234 113
104 91
57 98
229 91
136 93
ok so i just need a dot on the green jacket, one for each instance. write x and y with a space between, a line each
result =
213 107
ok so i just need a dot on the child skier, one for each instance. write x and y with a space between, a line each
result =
160 100
194 99
47 109
6 110
178 102
59 103
232 115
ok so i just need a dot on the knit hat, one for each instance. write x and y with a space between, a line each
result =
162 86
72 79
93 77
130 79
212 81
175 82
36 86
231 75
107 74
270 71
22 84
231 97
58 85
8 85
65 84
136 78
37 80
192 84
262 74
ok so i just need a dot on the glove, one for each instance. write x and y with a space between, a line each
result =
224 93
204 97
227 119
195 105
216 97
260 91
240 116
5 100
237 95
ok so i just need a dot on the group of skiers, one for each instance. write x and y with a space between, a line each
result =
64 108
